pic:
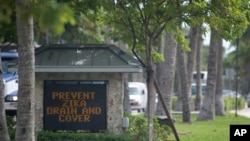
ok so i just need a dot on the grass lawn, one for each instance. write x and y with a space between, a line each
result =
217 130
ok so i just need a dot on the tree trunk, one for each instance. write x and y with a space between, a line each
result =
178 106
25 129
165 74
4 135
194 34
194 42
198 95
207 111
150 86
219 102
126 101
184 86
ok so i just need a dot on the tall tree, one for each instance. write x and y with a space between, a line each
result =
25 127
25 11
219 101
166 71
5 14
198 99
207 110
4 136
243 59
225 15
143 22
195 41
185 94
178 106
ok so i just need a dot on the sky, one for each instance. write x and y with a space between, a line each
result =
225 43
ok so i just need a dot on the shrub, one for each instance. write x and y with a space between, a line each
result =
139 129
230 103
81 136
11 123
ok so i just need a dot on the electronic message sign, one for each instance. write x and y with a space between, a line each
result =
75 105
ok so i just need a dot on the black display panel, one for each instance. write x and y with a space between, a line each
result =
75 105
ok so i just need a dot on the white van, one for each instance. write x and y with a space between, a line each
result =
203 76
138 96
194 90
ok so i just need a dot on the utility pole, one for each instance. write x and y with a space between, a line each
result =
236 78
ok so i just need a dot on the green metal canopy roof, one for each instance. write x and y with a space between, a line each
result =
84 58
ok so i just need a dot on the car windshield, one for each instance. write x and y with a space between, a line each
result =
133 91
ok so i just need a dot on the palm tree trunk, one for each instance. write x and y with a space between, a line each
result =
219 102
4 135
178 106
194 42
198 100
207 111
186 113
165 74
194 34
25 128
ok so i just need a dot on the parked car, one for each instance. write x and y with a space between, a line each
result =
138 96
10 82
10 103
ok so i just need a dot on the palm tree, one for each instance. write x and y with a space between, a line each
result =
195 33
165 73
207 111
4 136
25 127
185 95
198 100
219 103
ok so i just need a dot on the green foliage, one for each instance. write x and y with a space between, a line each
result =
180 38
5 11
11 127
88 28
52 16
157 57
138 128
142 21
69 136
7 22
230 103
49 14
242 56
229 17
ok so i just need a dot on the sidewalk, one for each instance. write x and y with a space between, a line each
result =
244 112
